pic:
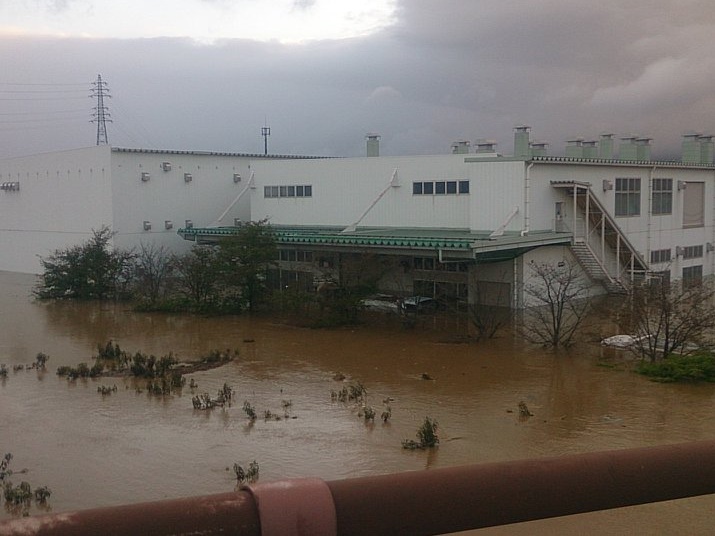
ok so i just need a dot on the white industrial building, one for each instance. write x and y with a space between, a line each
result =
460 226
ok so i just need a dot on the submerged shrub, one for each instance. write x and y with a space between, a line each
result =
426 434
686 368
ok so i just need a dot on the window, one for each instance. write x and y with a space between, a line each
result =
628 197
287 254
694 204
288 191
440 187
660 255
692 252
304 256
692 275
662 199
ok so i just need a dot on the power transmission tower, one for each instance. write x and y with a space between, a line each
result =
101 116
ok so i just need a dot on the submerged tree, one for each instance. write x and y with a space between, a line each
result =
244 259
154 266
91 270
559 298
672 318
197 276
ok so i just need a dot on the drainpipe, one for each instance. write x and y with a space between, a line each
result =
649 223
527 195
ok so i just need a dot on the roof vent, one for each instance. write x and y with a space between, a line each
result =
373 144
574 149
461 147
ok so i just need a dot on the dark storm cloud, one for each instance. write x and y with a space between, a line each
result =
446 70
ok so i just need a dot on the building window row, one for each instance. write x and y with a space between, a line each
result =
660 255
440 187
692 252
302 190
429 263
295 255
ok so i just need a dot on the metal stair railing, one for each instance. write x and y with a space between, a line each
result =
627 260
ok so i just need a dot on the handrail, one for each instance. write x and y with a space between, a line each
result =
425 502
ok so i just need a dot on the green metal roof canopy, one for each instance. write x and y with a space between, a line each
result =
455 244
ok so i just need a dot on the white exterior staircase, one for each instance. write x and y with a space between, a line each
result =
599 245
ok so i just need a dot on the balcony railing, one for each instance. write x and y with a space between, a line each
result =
418 503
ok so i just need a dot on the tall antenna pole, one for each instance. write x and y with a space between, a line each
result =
265 132
101 116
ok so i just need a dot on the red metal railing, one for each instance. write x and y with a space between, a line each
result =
427 502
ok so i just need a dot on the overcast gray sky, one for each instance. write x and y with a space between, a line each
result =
206 74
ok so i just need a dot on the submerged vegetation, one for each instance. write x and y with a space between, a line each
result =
19 498
426 436
249 475
224 279
680 368
164 374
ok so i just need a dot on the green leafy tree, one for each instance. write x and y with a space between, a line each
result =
197 274
91 270
245 258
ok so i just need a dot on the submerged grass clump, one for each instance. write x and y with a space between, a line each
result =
426 435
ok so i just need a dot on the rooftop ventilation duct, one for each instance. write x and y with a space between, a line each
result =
521 141
461 147
707 149
691 148
643 148
486 146
605 146
628 149
574 149
373 144
538 148
590 149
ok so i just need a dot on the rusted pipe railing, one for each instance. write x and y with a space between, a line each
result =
428 502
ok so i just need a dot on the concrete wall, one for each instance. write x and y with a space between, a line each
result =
344 188
62 197
168 196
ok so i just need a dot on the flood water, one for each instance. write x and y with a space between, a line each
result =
93 450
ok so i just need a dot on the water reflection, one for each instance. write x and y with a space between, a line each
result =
129 446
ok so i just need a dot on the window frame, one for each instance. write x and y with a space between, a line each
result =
628 197
662 196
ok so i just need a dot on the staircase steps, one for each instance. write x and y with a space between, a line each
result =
593 268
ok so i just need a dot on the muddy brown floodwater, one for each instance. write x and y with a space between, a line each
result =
93 450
